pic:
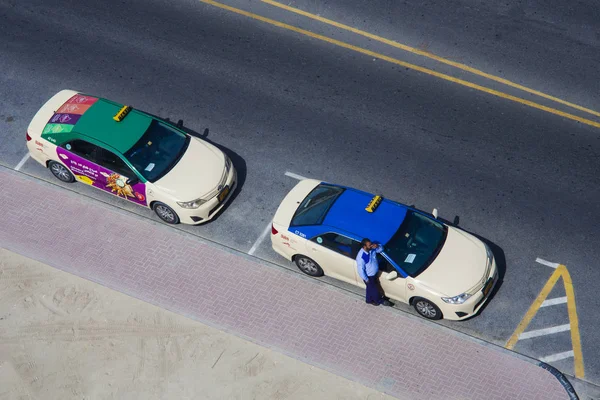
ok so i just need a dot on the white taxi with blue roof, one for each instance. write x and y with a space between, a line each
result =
442 271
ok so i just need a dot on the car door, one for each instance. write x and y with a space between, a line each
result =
333 252
396 288
86 161
120 179
80 157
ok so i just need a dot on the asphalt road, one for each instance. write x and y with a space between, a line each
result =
524 179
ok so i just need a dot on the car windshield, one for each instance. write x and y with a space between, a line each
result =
157 151
314 207
416 243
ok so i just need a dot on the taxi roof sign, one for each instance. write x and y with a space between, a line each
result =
374 203
122 113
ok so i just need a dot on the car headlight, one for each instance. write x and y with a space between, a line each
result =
461 298
227 164
490 255
191 204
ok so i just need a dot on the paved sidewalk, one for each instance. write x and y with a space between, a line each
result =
379 347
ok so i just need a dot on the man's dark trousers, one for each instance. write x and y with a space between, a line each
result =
373 294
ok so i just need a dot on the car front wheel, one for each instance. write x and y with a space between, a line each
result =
165 213
427 309
308 266
61 172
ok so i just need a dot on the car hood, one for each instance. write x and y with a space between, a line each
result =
198 174
459 267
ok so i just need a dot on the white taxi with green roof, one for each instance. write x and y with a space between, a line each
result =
133 155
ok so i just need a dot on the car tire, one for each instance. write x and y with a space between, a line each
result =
165 213
426 308
308 266
61 172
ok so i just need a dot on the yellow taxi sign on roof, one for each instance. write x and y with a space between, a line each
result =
374 203
122 113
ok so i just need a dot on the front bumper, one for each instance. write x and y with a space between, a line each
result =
208 210
458 312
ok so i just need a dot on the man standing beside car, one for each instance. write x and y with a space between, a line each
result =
368 268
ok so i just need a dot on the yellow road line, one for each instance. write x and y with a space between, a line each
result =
431 56
574 320
533 309
404 64
561 271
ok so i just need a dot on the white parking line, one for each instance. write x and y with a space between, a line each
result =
23 161
260 239
558 356
547 263
546 331
552 302
295 176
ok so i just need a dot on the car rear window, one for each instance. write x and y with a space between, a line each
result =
315 206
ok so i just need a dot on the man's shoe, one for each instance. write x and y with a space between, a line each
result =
387 303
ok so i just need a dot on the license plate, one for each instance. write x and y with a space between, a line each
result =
223 194
488 286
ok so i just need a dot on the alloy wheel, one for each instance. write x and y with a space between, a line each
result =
61 172
165 213
426 309
308 266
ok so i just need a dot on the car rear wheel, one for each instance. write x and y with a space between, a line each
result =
61 172
308 266
165 213
427 309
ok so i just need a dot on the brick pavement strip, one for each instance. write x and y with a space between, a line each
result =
379 347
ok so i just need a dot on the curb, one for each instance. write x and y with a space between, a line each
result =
561 378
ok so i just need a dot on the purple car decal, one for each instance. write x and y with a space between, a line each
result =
102 178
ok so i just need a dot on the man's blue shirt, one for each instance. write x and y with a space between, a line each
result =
367 264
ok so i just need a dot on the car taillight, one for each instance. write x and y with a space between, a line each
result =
273 230
28 137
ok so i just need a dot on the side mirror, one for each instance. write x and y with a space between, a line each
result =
435 213
391 276
132 181
180 124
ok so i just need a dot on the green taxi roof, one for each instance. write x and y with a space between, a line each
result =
98 123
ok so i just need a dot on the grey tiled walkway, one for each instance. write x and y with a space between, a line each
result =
379 347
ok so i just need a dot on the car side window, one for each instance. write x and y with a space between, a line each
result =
355 248
384 264
110 160
83 149
338 243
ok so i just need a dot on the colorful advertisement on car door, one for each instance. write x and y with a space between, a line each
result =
102 178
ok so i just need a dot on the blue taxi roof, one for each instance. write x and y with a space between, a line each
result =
348 214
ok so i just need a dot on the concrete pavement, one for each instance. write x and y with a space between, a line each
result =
65 338
298 316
